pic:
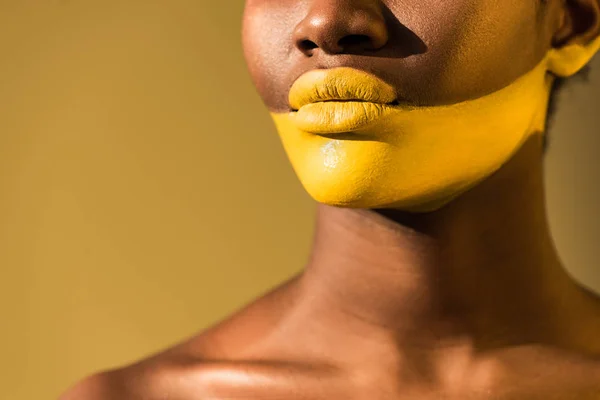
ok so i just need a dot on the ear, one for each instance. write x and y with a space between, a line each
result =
577 39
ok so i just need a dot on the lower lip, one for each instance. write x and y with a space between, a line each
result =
331 117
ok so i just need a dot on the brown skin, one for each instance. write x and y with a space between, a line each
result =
432 52
467 302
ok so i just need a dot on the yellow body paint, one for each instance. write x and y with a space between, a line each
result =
411 158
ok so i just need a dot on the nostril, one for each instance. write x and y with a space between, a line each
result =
305 45
355 41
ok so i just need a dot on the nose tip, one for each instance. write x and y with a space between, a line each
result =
339 26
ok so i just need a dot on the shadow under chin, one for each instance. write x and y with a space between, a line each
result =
517 183
417 221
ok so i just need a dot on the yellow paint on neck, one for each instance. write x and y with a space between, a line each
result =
419 158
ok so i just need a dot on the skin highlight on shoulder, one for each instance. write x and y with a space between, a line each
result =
498 378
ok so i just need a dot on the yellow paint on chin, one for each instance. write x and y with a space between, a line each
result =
418 158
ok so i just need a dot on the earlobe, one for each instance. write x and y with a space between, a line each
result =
570 59
577 39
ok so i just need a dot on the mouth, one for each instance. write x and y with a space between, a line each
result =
332 117
338 100
394 103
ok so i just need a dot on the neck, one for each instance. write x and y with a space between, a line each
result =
482 267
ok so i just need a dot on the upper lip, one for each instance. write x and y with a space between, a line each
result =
342 84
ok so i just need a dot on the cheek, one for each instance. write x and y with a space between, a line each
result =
267 44
495 43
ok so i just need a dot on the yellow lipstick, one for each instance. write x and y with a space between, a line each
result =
339 100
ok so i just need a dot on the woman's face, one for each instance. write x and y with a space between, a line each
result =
400 103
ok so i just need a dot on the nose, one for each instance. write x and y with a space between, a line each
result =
341 26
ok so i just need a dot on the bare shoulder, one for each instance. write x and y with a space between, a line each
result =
540 372
205 365
184 371
100 386
158 378
164 378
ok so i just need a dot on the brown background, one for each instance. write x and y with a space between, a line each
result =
144 191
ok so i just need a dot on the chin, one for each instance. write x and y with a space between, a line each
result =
384 194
